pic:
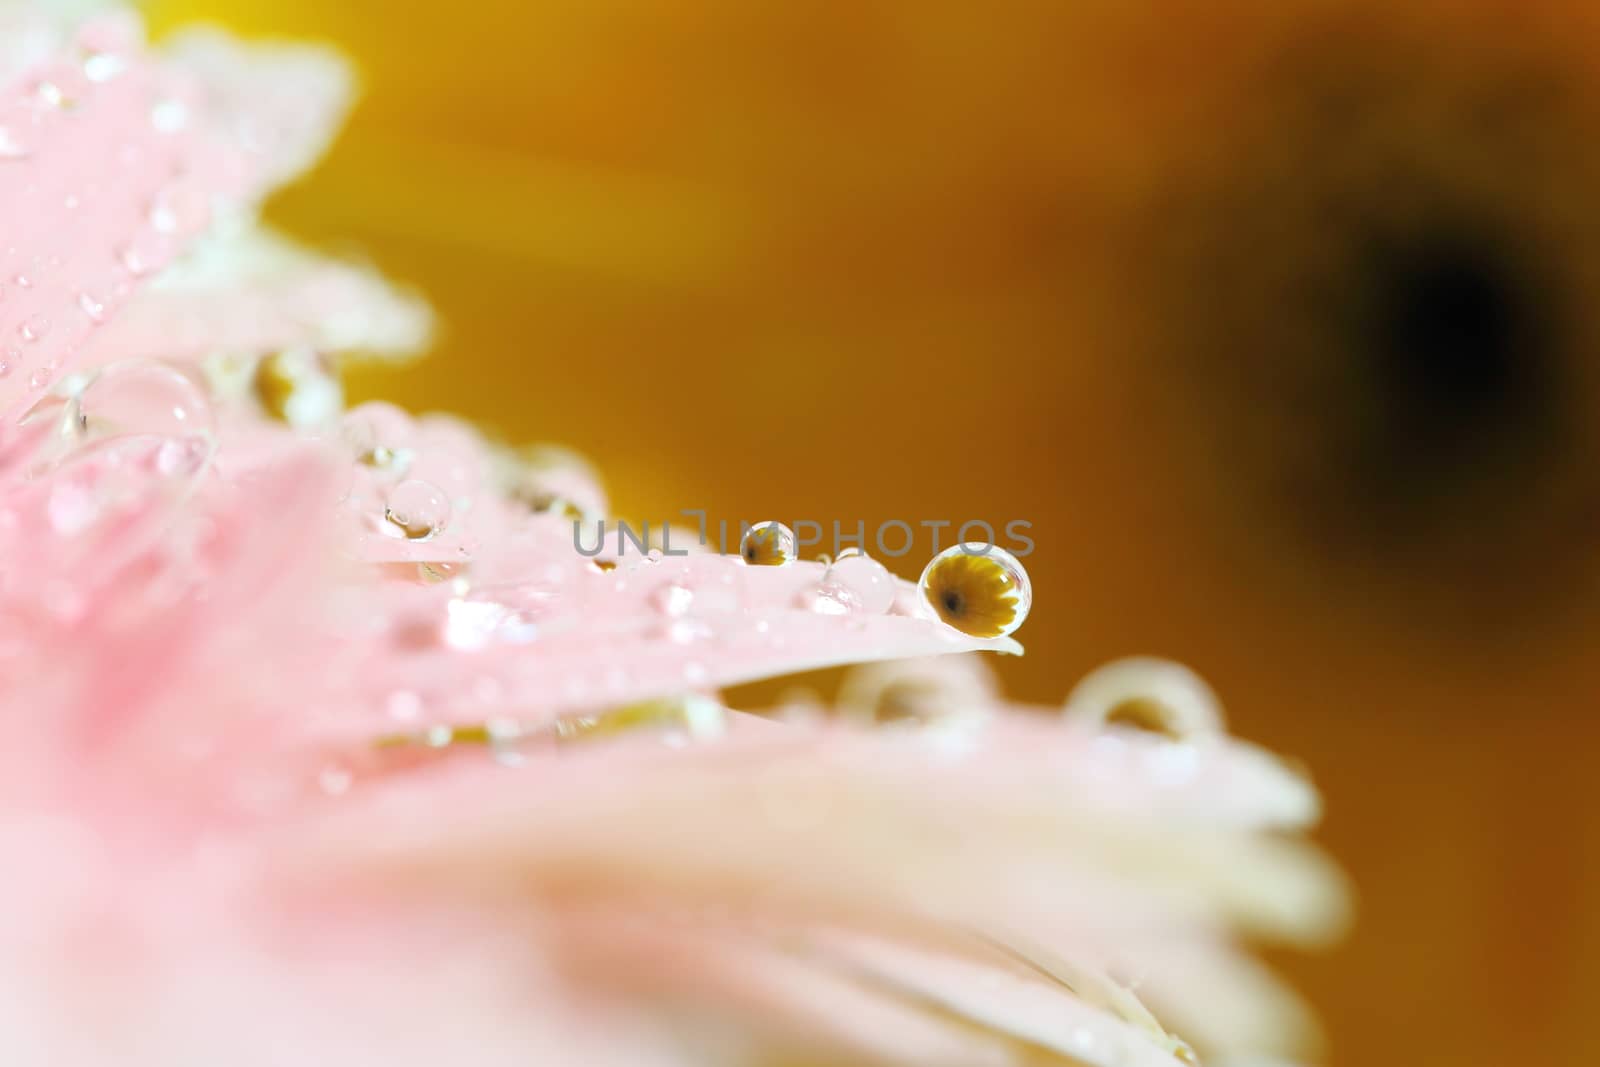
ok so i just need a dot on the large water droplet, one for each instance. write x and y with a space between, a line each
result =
416 510
869 580
977 588
142 397
769 544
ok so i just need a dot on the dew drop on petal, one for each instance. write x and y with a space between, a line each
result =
769 544
416 511
977 588
143 397
869 580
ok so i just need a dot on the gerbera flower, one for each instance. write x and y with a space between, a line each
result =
324 745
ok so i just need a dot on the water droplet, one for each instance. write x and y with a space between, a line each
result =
23 281
769 544
40 378
416 511
34 328
50 94
977 588
92 306
142 397
869 580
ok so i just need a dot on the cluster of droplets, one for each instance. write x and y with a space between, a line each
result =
46 326
143 408
386 494
975 587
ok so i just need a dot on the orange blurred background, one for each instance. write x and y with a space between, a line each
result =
1277 321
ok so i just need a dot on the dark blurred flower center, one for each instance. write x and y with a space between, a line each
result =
1377 323
1456 346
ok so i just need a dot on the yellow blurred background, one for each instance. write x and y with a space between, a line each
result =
1277 321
